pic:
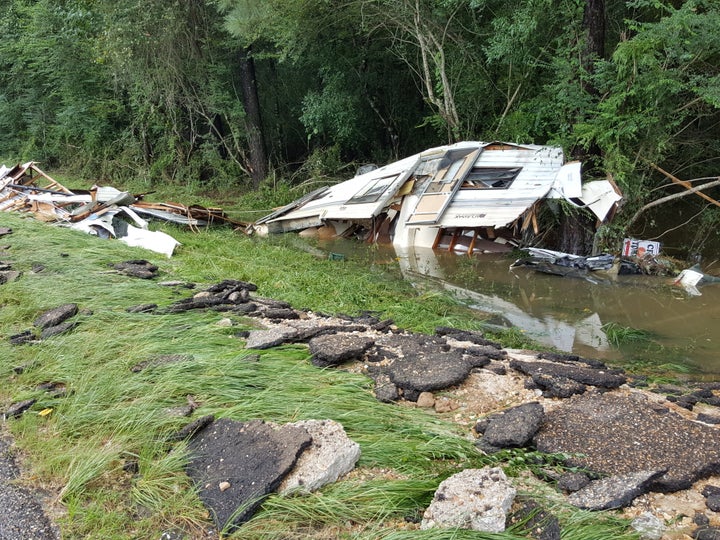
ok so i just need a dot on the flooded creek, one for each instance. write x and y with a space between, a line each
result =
587 317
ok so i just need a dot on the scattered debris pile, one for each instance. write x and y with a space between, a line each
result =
564 264
103 211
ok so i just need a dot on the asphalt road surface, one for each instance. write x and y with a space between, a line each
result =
21 514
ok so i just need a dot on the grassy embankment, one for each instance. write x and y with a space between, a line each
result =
76 444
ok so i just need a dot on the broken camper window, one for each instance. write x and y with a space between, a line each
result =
491 177
373 191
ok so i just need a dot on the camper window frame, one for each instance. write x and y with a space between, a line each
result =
371 192
474 179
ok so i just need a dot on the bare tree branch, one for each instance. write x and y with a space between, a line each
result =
662 200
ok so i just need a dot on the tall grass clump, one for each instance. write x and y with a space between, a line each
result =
619 335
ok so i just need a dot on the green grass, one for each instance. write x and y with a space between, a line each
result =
110 416
619 335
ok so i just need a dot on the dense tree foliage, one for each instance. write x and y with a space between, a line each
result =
225 91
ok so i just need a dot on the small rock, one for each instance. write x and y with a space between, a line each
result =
713 503
572 482
224 323
649 526
426 400
445 405
224 486
476 499
707 533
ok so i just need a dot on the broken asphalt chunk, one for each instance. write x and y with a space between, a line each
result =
237 464
228 295
138 268
583 374
58 329
476 338
142 308
334 349
609 433
192 428
266 339
475 499
7 276
17 409
26 336
331 455
55 316
615 491
160 360
427 364
514 427
535 520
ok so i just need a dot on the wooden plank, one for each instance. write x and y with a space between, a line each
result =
471 247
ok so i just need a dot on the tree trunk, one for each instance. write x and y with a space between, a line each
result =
594 27
577 229
594 48
258 165
577 232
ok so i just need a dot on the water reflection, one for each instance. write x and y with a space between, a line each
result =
569 313
520 306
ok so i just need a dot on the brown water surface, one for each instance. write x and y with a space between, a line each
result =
679 331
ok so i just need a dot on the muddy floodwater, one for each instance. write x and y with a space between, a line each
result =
627 320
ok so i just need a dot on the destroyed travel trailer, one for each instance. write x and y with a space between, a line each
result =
466 197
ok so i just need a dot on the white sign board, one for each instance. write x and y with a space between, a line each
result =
638 248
